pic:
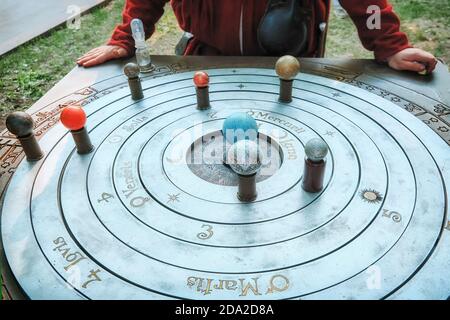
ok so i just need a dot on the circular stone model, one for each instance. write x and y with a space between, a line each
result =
239 126
205 158
136 219
245 157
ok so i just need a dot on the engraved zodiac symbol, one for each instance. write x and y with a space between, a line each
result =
440 108
176 159
395 216
173 198
93 276
371 196
105 196
411 107
212 115
278 283
115 139
429 121
86 91
138 201
207 234
384 93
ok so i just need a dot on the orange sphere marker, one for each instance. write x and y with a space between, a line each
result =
73 118
201 79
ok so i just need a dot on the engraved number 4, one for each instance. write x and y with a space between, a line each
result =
94 277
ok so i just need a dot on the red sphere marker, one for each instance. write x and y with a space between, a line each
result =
74 119
201 80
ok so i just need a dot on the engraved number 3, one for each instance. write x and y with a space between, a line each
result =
208 233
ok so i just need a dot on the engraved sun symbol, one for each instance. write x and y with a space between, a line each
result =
371 196
173 198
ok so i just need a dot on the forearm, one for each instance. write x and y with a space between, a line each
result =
149 11
384 41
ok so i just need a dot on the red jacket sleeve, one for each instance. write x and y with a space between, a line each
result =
386 41
149 11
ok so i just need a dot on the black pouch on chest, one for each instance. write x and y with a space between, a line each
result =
284 29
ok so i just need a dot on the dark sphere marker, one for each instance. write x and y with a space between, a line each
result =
21 125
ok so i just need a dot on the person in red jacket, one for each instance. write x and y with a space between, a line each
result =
231 28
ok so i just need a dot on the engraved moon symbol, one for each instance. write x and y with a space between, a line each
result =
175 158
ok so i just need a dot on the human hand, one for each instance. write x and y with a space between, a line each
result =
100 55
413 59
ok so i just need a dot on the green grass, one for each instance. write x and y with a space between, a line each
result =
419 9
426 22
31 70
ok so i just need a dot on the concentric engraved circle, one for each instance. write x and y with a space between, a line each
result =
135 219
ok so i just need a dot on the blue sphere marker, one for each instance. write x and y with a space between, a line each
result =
240 126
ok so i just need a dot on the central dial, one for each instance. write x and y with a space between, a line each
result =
206 159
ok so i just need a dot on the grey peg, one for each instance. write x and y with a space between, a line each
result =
21 125
316 150
131 70
314 172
